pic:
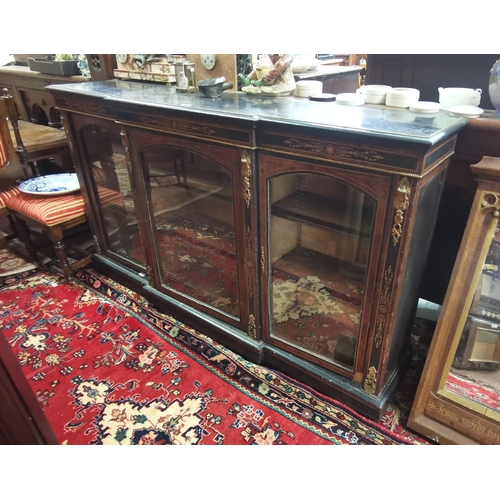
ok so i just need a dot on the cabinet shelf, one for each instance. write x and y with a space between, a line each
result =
322 212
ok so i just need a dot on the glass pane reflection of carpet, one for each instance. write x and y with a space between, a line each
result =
198 259
317 304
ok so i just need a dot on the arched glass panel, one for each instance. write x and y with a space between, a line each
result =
320 237
191 198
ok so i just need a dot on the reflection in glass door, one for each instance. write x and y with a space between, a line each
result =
104 151
320 237
191 199
475 370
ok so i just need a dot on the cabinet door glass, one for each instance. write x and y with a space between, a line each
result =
191 199
320 236
105 153
475 369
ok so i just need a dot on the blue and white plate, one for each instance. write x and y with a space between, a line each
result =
49 185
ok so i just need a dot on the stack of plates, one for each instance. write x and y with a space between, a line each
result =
401 97
350 99
425 107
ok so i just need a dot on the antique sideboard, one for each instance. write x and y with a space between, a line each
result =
293 232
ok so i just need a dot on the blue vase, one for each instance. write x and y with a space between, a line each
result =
494 86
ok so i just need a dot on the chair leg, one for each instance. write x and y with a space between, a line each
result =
56 236
23 231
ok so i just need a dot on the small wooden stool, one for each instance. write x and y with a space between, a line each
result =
54 215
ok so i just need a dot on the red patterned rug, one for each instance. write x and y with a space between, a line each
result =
12 263
108 368
198 260
473 390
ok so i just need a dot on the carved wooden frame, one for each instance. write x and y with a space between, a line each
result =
439 414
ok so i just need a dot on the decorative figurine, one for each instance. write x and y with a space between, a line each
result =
272 70
142 59
83 65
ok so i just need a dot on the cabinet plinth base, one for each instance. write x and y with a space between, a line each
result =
332 384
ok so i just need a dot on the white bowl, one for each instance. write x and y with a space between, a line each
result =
404 93
306 88
374 94
397 103
374 90
349 99
374 99
401 97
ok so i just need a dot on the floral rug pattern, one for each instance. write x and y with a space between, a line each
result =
12 263
311 311
108 368
199 260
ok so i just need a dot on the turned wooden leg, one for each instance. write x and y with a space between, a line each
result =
60 250
56 236
23 232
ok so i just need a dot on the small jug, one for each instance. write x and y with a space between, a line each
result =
458 96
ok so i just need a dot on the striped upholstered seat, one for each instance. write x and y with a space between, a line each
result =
57 210
7 194
54 215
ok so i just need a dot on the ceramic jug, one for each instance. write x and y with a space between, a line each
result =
458 96
494 86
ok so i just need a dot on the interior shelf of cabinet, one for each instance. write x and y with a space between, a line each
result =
324 213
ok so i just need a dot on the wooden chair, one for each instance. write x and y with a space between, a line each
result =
11 167
54 214
36 142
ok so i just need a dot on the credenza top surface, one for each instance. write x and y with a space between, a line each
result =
367 120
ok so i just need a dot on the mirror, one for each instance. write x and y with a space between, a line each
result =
458 397
475 370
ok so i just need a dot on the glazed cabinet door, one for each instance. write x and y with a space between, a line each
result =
320 248
103 170
198 224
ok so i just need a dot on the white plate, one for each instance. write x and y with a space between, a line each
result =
50 185
425 107
301 69
466 111
350 99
